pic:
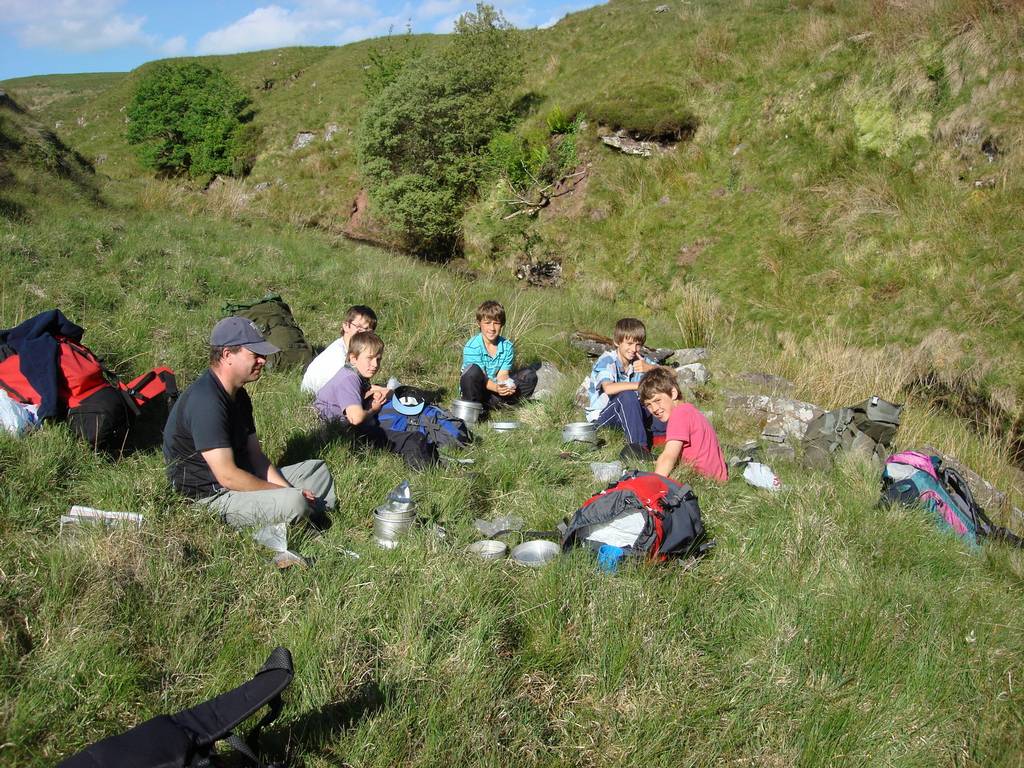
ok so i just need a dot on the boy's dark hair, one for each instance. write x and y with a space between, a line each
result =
629 328
365 340
657 381
216 353
490 310
361 310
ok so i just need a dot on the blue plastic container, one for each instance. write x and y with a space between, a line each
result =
608 557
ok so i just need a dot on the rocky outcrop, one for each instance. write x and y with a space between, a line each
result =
690 355
623 142
549 379
303 139
784 418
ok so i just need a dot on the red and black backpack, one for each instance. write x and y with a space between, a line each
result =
672 520
97 405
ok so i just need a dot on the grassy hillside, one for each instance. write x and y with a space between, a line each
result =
856 166
820 631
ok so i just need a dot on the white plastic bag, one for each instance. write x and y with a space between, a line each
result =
14 417
761 476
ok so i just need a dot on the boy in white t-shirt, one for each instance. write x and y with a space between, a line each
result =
358 318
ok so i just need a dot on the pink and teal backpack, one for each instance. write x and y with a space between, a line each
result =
914 479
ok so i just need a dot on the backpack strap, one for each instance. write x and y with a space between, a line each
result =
956 482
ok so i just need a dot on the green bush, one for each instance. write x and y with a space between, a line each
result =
422 139
558 122
387 61
188 119
648 111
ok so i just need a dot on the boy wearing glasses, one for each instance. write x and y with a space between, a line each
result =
358 319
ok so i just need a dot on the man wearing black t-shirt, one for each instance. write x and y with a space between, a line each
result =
214 456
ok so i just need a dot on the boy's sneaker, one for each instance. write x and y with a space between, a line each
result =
635 451
287 559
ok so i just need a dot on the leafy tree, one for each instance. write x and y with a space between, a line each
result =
188 119
387 62
422 138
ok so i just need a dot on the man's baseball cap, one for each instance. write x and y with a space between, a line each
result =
237 331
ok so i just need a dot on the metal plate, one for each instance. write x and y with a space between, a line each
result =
536 553
488 549
504 426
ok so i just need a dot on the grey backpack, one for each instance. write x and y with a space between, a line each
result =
867 427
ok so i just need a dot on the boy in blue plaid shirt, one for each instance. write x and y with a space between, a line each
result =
487 376
612 386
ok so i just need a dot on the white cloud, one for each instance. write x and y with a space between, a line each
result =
81 26
380 27
174 46
446 25
269 27
85 35
433 8
309 21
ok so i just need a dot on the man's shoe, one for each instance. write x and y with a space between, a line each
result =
287 559
635 451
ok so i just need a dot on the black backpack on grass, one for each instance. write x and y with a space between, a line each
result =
867 427
277 324
673 526
188 739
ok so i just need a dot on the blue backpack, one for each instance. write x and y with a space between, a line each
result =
440 427
914 479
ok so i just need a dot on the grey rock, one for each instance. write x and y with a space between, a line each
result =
549 379
101 159
624 143
330 130
81 122
781 414
303 139
582 398
693 374
262 186
661 9
777 451
690 355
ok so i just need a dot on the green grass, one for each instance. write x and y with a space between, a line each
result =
821 631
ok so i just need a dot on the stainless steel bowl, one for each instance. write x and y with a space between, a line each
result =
488 549
504 426
536 553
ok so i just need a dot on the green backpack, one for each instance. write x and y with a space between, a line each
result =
867 427
274 319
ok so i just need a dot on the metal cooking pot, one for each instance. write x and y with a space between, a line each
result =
389 523
467 410
580 431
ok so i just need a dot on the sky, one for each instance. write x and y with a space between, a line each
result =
39 37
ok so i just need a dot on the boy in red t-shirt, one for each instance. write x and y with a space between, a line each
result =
689 435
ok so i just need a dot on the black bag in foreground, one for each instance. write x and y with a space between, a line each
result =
187 739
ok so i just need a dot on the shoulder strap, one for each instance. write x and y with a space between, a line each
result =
956 482
215 720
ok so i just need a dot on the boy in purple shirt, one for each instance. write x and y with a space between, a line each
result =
351 401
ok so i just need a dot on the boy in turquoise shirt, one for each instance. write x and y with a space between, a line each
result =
487 376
